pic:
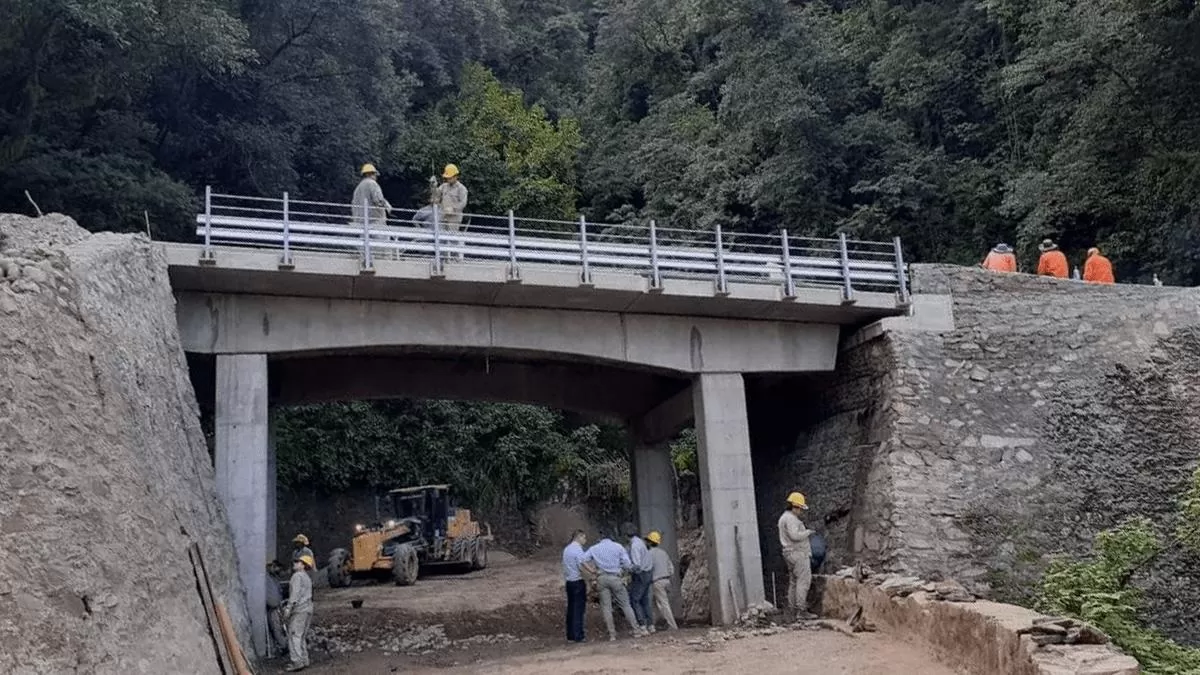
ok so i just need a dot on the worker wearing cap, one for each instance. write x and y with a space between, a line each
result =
300 548
297 612
1052 263
369 196
451 199
797 551
1001 259
661 573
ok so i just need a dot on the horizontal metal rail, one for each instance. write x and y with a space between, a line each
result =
655 252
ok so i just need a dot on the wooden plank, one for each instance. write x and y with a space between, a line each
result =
205 590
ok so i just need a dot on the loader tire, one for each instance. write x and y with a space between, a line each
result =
405 566
339 572
479 555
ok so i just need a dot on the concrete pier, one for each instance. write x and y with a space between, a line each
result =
654 498
727 488
243 462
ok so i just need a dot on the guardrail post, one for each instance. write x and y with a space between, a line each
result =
285 263
206 256
901 275
435 269
514 273
655 273
847 287
722 285
586 276
368 260
789 284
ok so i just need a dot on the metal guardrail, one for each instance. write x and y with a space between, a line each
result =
655 252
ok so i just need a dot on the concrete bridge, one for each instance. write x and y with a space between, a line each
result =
293 302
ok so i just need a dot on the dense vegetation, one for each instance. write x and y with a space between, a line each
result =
1103 587
953 124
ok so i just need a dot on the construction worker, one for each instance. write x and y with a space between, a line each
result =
661 574
369 196
274 606
797 551
1000 259
1097 269
451 199
1052 263
300 548
607 559
297 612
576 587
639 583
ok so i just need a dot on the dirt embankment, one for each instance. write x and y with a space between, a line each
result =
105 478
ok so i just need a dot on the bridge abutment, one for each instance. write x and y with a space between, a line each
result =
654 498
245 484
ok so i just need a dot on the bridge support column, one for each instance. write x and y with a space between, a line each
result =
243 456
654 497
727 492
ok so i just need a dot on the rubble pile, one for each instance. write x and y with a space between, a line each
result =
901 586
1054 630
413 639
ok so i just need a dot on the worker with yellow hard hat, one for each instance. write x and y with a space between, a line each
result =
660 573
450 198
368 200
797 552
298 610
300 547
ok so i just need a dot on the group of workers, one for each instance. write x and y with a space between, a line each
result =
1097 269
606 563
449 197
296 611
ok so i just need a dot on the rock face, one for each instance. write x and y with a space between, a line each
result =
1050 411
105 478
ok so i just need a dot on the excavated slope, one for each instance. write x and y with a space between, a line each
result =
105 478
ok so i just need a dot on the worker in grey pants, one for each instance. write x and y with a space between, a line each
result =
607 560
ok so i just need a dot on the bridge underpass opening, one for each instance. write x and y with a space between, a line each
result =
654 405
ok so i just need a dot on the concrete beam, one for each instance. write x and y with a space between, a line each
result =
242 466
325 275
654 498
668 418
727 493
260 324
604 391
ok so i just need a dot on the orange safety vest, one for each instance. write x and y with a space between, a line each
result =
1098 270
1053 264
1000 262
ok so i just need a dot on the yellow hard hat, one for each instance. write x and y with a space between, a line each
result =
450 172
308 561
300 539
654 538
368 168
796 499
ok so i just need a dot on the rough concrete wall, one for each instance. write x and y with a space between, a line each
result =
1053 410
106 479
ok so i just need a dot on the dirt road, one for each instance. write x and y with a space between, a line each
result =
508 619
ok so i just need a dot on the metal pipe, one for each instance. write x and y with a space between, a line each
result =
207 254
586 277
655 274
847 287
513 273
789 284
901 275
368 261
722 287
437 240
286 261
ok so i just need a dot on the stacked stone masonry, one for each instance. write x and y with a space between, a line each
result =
105 478
1052 410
